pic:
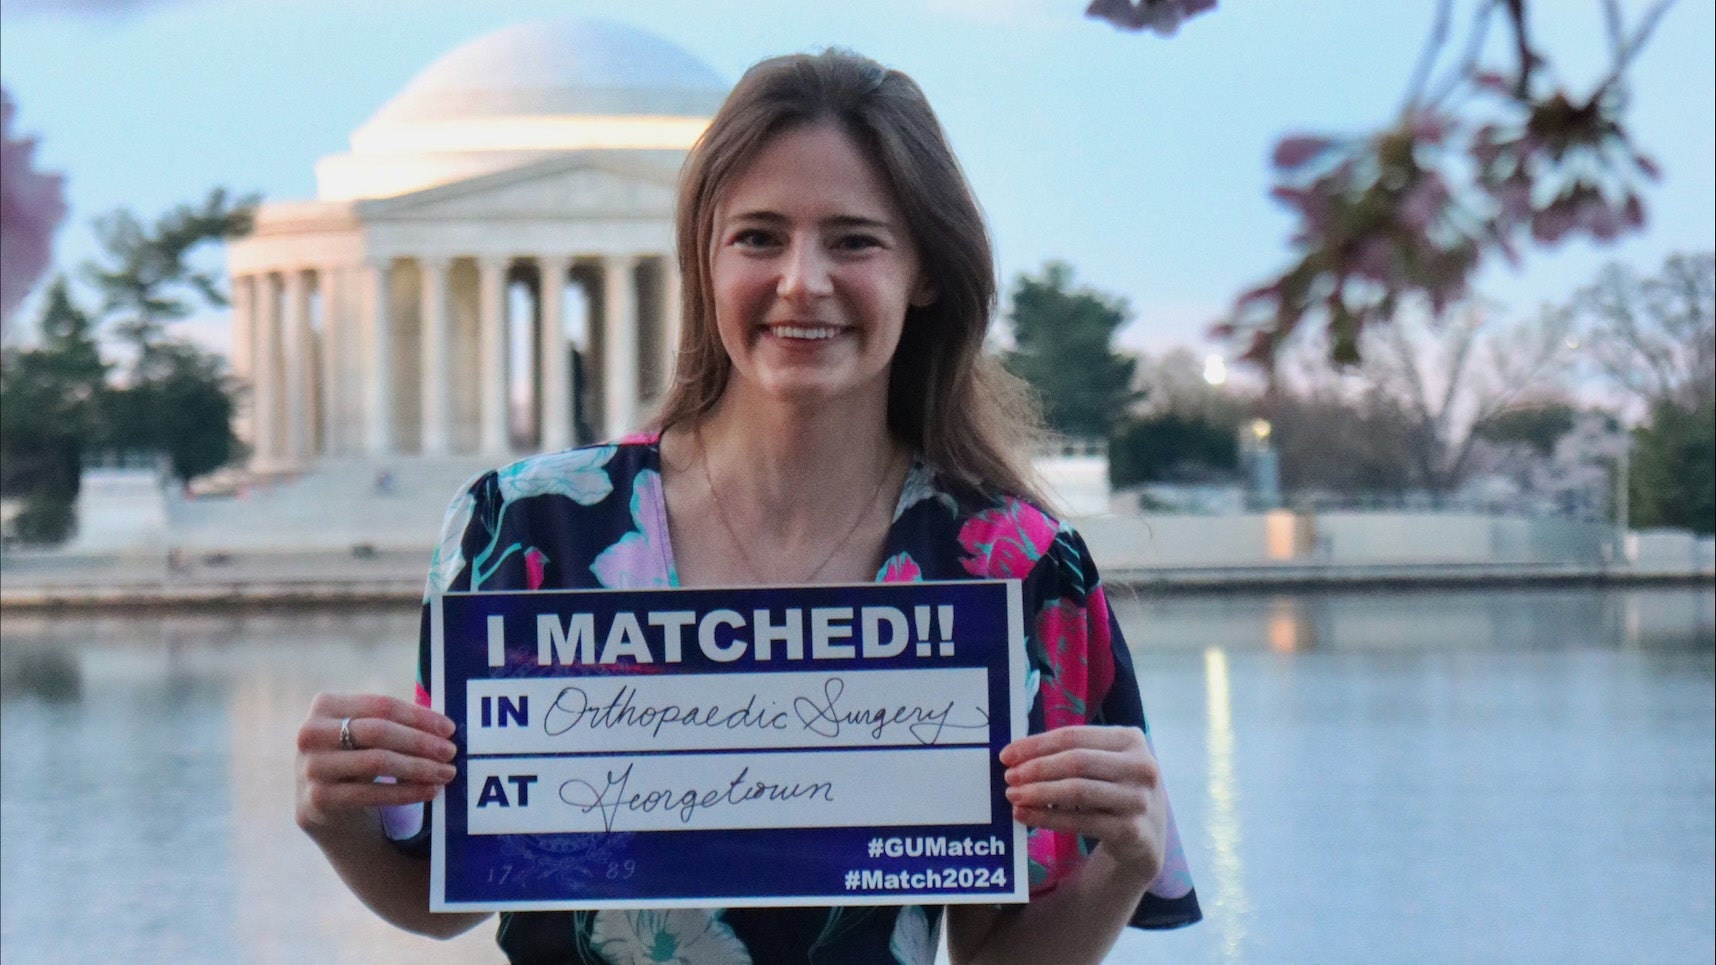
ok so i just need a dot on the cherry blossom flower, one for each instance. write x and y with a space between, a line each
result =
1411 212
32 205
1160 17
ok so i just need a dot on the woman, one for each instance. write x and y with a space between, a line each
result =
832 420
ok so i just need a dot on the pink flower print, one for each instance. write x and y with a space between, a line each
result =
1099 647
533 562
1081 649
900 568
1063 628
637 560
1058 854
640 439
1004 543
422 696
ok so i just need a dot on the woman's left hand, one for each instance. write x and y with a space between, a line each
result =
1100 782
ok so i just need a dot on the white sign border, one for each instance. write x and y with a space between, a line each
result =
1018 705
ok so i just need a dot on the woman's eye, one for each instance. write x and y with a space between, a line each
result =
753 238
858 242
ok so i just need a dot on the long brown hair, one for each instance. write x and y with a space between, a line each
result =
972 421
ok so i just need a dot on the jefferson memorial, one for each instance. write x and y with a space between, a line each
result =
489 269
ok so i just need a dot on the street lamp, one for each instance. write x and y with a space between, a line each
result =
1623 495
1215 369
1265 467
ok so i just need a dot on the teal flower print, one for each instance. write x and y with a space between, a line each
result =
578 474
914 941
449 555
681 936
635 561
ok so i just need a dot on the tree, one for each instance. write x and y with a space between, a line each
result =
1411 416
149 278
1350 447
1673 480
1182 429
1654 338
181 406
56 403
51 400
1062 337
1450 379
175 398
1170 447
1480 158
1538 427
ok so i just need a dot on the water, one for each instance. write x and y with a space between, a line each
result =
1478 776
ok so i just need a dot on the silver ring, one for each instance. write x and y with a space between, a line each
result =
346 741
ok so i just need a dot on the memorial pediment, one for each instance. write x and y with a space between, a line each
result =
558 189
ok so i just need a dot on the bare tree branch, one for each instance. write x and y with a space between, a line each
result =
1433 45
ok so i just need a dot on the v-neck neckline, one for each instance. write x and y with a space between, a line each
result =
914 480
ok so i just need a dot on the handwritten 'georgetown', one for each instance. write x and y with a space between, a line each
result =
615 797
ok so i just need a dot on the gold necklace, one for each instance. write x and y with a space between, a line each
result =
739 543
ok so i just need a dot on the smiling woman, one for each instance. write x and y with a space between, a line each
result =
813 271
832 420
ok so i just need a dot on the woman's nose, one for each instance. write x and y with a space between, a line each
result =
805 273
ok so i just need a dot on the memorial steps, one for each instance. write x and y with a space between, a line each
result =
345 505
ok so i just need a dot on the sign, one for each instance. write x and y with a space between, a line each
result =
818 745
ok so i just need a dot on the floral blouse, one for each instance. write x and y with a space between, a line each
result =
596 518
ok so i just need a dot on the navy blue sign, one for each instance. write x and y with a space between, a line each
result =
819 745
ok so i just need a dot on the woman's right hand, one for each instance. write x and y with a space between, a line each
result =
401 755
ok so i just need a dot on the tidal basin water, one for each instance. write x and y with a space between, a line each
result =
1494 776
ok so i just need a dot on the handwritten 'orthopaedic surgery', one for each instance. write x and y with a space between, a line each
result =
819 712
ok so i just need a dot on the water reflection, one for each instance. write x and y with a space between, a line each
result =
1669 618
1230 911
52 675
151 814
1493 776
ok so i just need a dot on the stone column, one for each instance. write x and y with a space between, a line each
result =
554 406
295 347
620 344
491 355
243 350
378 388
436 414
672 312
333 332
265 410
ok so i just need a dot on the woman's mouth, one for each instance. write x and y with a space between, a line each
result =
807 333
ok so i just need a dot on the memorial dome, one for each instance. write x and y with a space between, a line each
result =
511 96
558 68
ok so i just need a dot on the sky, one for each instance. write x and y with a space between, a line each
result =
1142 161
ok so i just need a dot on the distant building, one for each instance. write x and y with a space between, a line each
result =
383 319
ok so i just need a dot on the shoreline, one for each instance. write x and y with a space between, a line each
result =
201 593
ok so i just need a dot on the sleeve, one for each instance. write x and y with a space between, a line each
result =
1087 678
467 533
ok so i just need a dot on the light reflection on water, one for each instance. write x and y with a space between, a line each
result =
1229 910
1486 776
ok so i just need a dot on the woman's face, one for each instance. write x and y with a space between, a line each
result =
813 269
